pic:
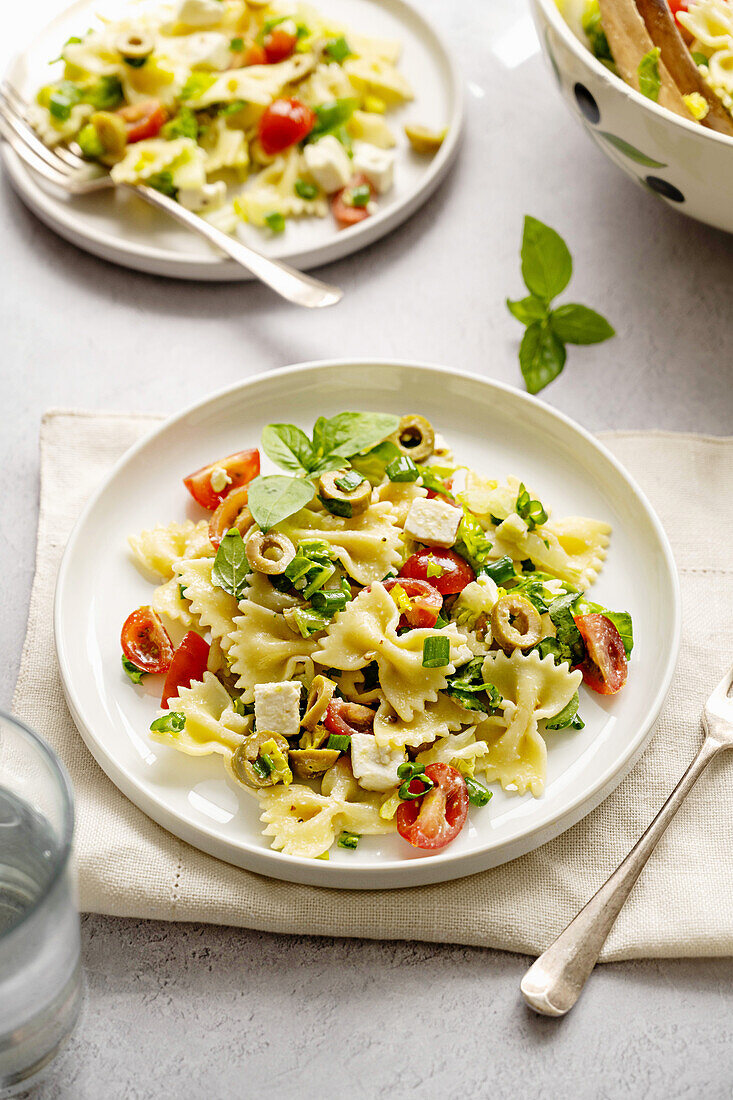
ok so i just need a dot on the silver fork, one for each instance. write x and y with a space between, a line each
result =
67 170
555 980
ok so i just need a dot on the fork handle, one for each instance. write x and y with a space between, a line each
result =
555 980
293 285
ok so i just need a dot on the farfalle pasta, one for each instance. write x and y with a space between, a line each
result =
372 638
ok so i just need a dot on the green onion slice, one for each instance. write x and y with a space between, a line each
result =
436 651
341 742
478 794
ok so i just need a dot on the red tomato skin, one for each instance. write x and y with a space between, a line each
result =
427 602
232 512
143 120
189 663
242 467
279 45
255 55
344 718
437 818
285 122
347 215
145 641
457 573
606 668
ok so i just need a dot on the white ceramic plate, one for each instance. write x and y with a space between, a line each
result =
125 230
491 427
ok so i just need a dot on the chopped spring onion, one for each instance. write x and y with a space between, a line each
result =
435 651
330 602
298 568
348 481
275 222
402 469
478 794
530 510
406 794
500 571
308 622
306 190
173 722
136 674
337 49
410 769
236 45
339 741
182 591
360 196
349 840
317 577
264 766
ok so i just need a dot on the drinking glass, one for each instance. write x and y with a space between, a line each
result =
40 973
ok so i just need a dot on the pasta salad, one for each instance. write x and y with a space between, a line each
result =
678 53
242 111
372 637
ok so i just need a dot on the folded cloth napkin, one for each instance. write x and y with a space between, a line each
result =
683 905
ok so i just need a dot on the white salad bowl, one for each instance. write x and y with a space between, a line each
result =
685 164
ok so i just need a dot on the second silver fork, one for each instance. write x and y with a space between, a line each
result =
69 172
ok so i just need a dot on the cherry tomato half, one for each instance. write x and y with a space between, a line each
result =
605 669
344 213
438 817
143 120
344 718
279 45
426 601
285 122
232 512
189 663
457 573
145 641
433 493
255 55
241 468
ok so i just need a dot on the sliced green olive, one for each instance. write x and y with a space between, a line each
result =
343 494
515 622
319 696
246 762
135 45
269 553
308 763
315 738
423 140
415 437
111 131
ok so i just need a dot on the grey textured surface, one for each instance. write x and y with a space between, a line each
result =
190 1011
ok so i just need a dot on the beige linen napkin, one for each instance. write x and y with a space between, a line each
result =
683 905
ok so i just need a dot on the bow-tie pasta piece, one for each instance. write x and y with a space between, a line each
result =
264 649
211 723
156 551
214 607
437 720
367 545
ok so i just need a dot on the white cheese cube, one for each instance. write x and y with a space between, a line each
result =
201 13
209 50
374 163
328 163
374 768
433 522
201 199
277 708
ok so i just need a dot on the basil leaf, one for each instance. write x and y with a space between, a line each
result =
273 499
565 717
173 722
527 309
650 82
349 433
374 463
136 674
231 568
553 647
288 446
546 262
620 619
330 462
541 356
331 116
569 637
575 324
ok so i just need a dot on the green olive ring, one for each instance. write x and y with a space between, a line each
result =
308 763
358 498
319 696
260 545
135 44
515 622
246 754
415 438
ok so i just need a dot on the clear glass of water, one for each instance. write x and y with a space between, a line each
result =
40 972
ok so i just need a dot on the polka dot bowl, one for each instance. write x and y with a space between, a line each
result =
678 162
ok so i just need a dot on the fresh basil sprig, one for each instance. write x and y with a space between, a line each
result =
547 267
335 441
136 674
231 568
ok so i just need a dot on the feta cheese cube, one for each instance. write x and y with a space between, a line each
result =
201 199
277 708
328 163
433 522
200 13
374 163
374 768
